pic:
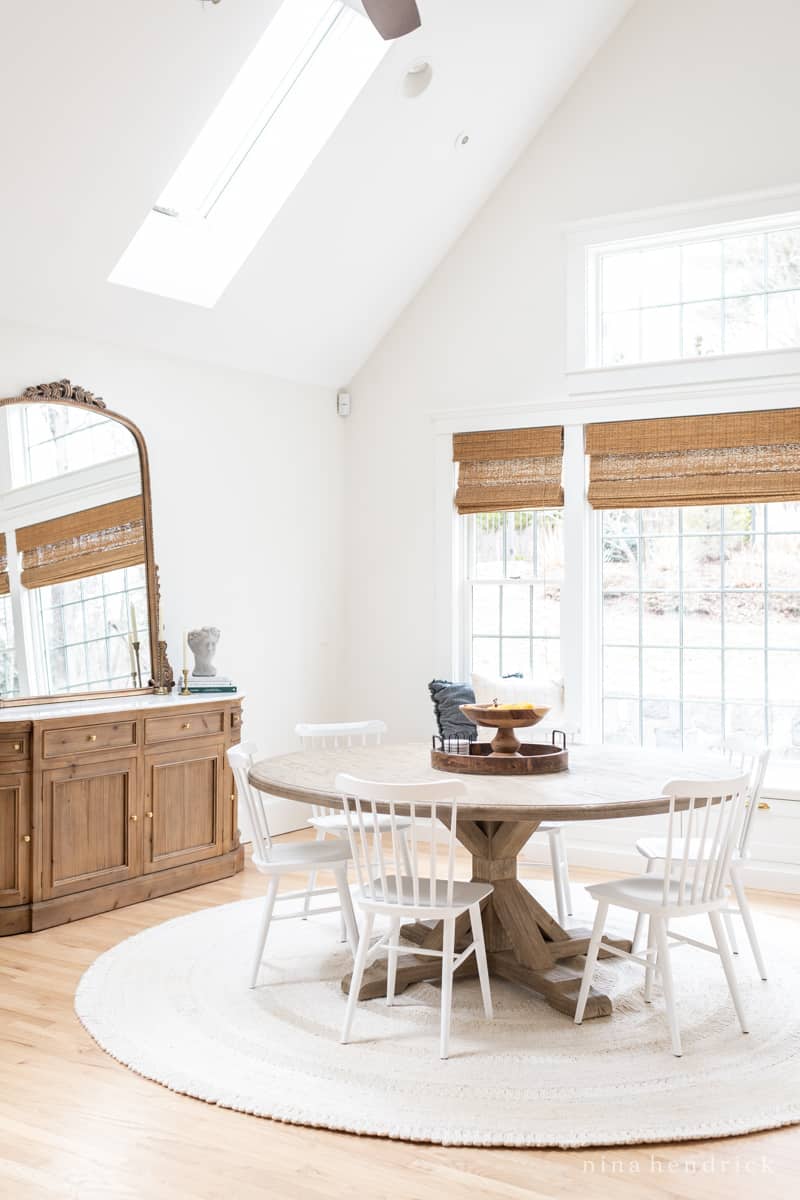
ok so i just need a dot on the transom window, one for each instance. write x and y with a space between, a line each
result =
48 440
701 624
516 570
726 289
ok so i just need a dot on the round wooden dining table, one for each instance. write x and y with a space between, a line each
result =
525 943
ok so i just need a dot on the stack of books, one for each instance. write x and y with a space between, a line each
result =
203 685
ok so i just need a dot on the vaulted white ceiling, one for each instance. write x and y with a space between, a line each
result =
101 99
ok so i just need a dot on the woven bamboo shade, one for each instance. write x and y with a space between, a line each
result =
5 587
505 469
729 458
84 543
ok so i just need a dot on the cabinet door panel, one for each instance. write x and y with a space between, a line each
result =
90 816
15 852
184 795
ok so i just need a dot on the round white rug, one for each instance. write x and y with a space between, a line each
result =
173 1004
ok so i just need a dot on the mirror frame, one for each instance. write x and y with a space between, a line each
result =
162 681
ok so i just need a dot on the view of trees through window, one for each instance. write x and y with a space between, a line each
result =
8 675
701 624
85 624
516 570
712 295
48 440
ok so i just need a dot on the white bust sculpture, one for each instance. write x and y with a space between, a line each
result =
203 644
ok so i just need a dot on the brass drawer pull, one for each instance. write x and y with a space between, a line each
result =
26 837
17 745
150 815
233 797
92 737
187 725
134 817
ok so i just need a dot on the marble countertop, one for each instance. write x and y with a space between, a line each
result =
88 708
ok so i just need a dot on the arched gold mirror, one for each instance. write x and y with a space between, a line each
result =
79 599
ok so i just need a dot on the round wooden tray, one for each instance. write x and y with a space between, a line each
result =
477 758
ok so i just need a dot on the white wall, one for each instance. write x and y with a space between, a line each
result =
246 483
688 101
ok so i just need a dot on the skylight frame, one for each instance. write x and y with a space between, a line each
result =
316 57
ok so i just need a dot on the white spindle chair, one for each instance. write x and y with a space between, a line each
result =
336 736
289 858
390 881
691 883
752 760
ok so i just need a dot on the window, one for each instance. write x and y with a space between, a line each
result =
309 66
516 567
9 683
725 289
85 625
701 624
48 440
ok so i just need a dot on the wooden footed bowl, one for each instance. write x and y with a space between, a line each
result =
505 721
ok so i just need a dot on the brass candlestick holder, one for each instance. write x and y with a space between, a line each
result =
137 674
185 689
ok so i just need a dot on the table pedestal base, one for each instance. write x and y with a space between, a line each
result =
524 943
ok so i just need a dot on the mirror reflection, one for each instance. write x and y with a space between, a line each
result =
73 583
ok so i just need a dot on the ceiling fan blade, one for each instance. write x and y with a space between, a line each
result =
393 18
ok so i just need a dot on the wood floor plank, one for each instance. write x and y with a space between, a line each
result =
75 1125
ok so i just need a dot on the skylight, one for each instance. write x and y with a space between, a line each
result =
292 92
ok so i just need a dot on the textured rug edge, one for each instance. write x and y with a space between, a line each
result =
86 995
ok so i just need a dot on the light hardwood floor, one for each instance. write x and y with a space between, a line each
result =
75 1125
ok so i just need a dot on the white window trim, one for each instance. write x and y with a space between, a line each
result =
582 591
583 380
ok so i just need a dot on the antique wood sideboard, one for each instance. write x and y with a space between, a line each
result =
107 803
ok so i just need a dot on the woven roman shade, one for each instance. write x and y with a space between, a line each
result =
83 543
505 469
5 586
728 458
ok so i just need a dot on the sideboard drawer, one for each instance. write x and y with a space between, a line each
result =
193 724
87 739
14 747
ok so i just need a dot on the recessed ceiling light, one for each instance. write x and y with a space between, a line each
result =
417 78
461 141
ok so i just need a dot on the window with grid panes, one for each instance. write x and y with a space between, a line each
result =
515 573
729 290
701 624
9 684
85 625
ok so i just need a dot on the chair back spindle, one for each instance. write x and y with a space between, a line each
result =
335 735
699 861
241 759
391 867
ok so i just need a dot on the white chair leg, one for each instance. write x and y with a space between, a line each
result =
727 964
591 959
565 884
665 967
639 926
650 969
269 904
348 917
391 968
480 958
747 918
357 976
731 931
448 954
558 880
312 881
